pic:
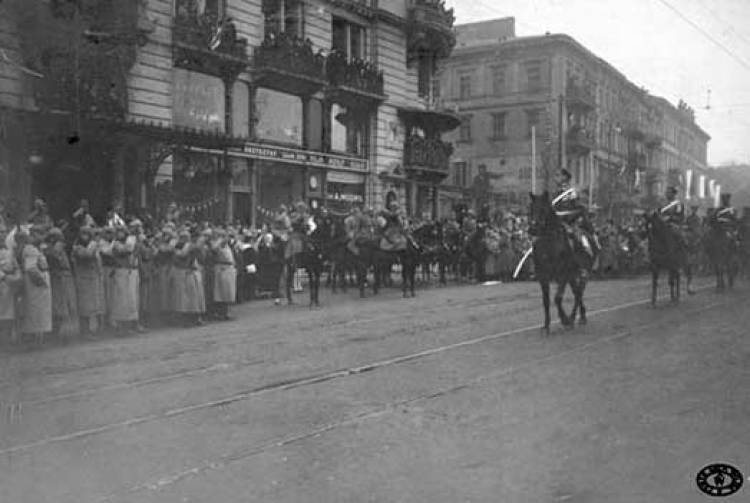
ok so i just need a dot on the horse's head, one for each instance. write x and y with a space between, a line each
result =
541 213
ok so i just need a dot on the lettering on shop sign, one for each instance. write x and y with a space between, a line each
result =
302 157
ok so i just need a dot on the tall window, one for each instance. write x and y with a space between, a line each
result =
279 116
349 39
498 126
498 80
425 75
460 174
283 16
464 131
348 130
533 76
532 120
464 86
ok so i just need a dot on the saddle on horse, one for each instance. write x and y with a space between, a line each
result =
394 239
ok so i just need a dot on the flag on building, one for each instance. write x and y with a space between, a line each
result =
688 183
717 196
702 186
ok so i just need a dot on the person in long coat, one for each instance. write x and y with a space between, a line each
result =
165 247
37 294
225 276
207 258
125 282
10 280
106 243
187 283
145 255
87 269
64 303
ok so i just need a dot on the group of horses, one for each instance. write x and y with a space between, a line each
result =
430 246
558 261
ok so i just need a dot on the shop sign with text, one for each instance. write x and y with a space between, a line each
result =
270 153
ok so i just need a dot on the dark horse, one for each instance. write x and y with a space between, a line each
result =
723 252
373 257
667 251
555 260
308 256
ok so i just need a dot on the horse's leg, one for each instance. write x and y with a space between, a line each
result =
561 284
689 278
289 266
654 284
405 276
576 305
545 302
582 320
412 277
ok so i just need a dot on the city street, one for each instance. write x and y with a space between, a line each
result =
452 396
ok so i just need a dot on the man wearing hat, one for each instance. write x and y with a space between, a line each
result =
567 205
394 235
673 213
725 215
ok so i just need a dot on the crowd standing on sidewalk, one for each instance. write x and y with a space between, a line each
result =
75 276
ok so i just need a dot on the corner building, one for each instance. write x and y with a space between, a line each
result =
226 107
621 144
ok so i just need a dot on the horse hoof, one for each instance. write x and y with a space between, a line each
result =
544 330
691 292
582 321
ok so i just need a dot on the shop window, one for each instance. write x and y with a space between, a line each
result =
283 16
347 130
198 101
279 116
349 39
240 110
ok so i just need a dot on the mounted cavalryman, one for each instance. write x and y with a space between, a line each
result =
725 215
571 211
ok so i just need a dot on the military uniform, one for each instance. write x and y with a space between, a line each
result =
567 206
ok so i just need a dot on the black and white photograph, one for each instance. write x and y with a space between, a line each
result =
374 251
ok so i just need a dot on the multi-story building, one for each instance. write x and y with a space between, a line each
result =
620 143
226 107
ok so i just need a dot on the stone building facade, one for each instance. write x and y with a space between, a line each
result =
621 144
226 107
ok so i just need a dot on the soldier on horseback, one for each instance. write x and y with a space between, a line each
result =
357 230
573 214
725 216
673 213
394 232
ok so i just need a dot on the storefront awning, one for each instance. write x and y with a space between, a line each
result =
181 136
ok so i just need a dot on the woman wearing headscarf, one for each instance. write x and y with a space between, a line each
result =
37 295
165 246
10 279
106 243
187 286
64 303
225 276
88 279
125 287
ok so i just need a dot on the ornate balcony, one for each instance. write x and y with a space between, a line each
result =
433 119
579 96
288 63
205 43
427 158
354 83
430 28
580 141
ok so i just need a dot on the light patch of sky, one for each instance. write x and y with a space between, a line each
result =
657 49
